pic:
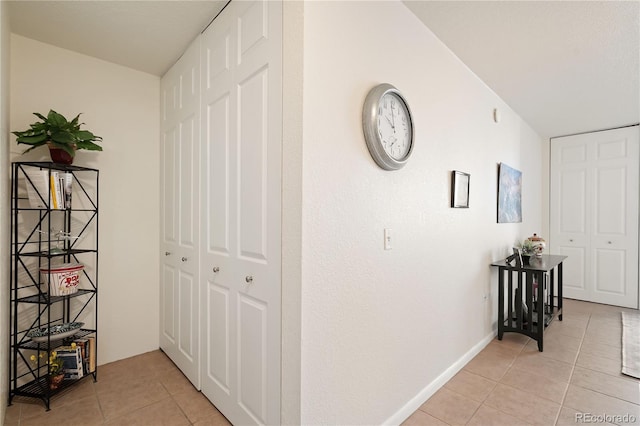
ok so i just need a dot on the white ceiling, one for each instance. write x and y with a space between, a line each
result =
564 66
146 35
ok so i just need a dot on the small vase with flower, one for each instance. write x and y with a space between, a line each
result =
55 366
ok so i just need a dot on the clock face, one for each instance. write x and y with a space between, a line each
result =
394 126
388 127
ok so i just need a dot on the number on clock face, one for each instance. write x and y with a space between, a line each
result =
393 126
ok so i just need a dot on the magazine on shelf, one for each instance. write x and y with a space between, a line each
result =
72 361
57 185
37 182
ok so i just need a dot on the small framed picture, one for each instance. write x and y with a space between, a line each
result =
518 257
460 189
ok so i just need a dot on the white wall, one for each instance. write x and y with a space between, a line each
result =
5 206
122 106
378 327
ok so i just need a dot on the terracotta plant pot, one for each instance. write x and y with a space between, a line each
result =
55 381
60 156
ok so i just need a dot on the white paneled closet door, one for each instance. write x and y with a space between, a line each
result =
594 214
180 157
241 211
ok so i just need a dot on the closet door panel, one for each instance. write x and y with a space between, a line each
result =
168 310
217 326
216 53
242 103
216 214
609 270
169 187
252 357
187 297
180 92
573 198
252 28
218 202
252 179
169 233
574 276
611 200
188 181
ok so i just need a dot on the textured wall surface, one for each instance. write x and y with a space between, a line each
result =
378 327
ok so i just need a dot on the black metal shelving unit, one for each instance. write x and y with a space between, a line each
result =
43 237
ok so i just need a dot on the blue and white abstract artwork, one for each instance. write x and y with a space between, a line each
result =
509 195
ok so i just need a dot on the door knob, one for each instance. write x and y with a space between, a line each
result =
249 279
216 269
184 259
167 253
608 242
570 240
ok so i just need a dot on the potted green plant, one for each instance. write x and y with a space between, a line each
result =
527 249
62 136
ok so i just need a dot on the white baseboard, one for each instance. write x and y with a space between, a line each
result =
414 403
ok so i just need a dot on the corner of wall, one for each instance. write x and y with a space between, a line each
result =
292 70
4 196
106 93
546 170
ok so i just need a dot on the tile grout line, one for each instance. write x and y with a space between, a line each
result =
177 403
95 391
561 404
599 372
497 383
592 320
573 368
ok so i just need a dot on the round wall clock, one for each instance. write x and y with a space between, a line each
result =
388 127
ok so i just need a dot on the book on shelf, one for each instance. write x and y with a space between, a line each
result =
57 185
55 190
85 345
67 189
92 353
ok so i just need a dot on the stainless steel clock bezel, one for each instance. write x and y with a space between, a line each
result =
370 127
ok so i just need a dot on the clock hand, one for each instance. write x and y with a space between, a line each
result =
387 118
393 124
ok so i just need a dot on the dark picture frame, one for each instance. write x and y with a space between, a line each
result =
460 189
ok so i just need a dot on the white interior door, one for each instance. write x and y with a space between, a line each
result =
241 179
179 307
594 214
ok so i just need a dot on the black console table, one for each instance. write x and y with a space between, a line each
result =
530 308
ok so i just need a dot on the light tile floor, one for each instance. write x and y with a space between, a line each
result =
511 383
508 383
147 389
